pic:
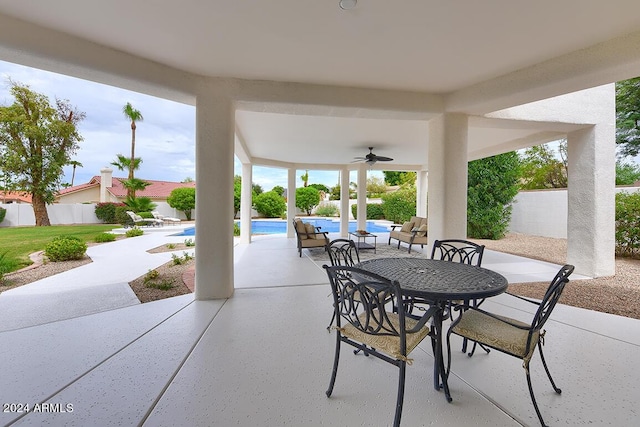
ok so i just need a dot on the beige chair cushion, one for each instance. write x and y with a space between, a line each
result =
485 329
309 228
407 226
385 343
422 230
301 230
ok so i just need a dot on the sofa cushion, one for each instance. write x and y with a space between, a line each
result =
422 230
301 230
407 226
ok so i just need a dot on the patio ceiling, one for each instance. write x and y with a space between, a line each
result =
469 57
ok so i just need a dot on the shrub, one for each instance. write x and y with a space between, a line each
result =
491 187
104 237
134 232
374 211
3 213
327 209
179 260
270 204
165 285
236 229
307 198
140 204
6 265
151 275
189 242
65 248
147 215
400 205
107 212
121 216
171 245
628 224
183 199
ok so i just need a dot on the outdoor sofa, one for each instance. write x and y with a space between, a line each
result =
412 232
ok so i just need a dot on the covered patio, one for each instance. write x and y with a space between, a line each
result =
308 85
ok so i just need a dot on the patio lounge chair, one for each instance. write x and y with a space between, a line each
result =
310 236
166 219
139 221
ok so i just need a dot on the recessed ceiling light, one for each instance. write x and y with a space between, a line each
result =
348 4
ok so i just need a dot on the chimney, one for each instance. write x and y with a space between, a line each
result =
106 181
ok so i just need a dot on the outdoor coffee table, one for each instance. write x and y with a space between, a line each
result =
361 240
438 282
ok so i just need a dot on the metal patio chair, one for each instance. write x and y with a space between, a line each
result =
365 319
342 252
511 336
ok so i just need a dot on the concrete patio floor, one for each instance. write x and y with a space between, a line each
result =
263 358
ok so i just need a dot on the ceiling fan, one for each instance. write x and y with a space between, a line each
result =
371 158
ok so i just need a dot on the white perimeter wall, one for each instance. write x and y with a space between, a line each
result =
21 214
544 212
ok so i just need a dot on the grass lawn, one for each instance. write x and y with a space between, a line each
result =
16 243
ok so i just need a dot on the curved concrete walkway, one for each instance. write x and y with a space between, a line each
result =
91 288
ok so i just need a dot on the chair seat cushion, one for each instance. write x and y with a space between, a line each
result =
387 343
313 243
484 329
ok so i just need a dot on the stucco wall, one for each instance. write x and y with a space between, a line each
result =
544 212
69 213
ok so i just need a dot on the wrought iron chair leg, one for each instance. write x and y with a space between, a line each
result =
335 365
533 398
473 349
331 323
544 363
400 400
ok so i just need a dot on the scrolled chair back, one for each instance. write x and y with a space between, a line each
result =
343 252
366 301
456 250
551 297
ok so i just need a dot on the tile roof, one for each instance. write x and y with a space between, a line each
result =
156 189
13 196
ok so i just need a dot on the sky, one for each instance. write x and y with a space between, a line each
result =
165 138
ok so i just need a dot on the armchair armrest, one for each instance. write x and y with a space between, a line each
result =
394 226
523 298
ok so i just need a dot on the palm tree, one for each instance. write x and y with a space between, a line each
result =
75 164
135 116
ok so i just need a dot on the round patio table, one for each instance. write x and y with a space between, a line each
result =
437 283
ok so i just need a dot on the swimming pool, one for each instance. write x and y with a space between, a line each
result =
277 227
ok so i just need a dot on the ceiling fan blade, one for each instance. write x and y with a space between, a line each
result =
383 159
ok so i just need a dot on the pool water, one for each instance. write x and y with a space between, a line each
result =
276 227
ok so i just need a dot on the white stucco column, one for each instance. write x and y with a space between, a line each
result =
291 201
362 197
246 203
344 202
421 193
214 206
447 165
591 200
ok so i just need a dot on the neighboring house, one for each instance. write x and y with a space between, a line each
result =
14 197
107 188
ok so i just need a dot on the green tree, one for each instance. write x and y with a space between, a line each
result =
628 116
237 194
279 190
305 178
541 168
320 187
36 142
270 204
399 178
627 173
400 205
307 198
134 116
74 164
492 186
183 199
375 187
